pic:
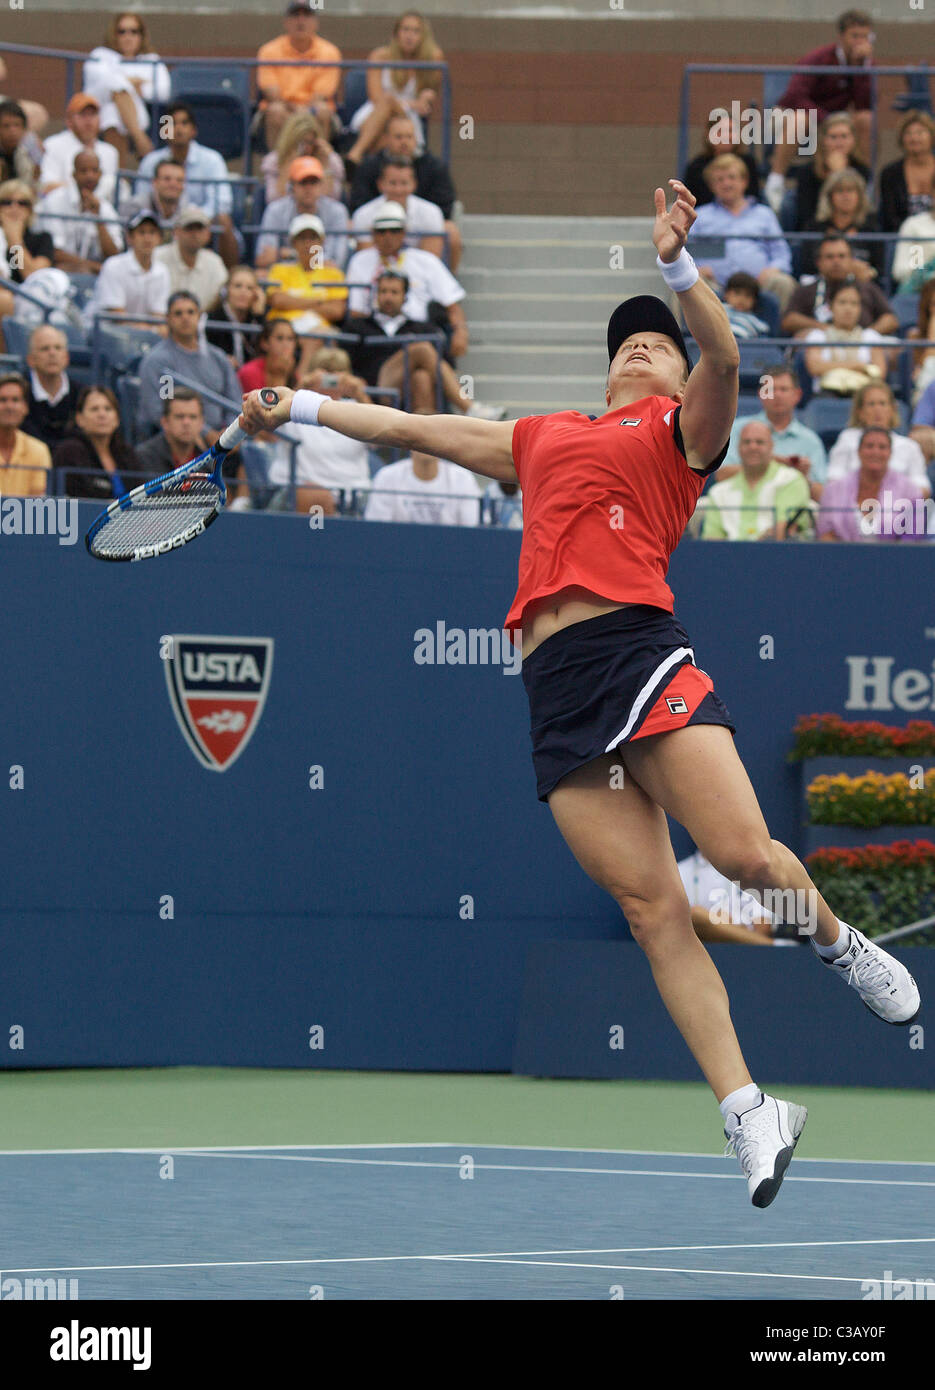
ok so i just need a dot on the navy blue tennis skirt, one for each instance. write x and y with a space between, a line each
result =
610 680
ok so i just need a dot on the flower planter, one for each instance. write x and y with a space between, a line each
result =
848 836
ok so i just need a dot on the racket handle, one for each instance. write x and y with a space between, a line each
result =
231 437
269 397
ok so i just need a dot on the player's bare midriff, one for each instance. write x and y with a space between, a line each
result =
550 614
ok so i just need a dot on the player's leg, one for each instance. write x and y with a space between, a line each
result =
620 838
696 775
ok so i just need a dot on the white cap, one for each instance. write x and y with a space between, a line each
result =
389 215
306 222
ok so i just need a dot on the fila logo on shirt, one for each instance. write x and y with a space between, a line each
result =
676 704
629 422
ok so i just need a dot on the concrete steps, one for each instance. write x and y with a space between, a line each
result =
539 293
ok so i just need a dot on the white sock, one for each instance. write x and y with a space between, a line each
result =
837 948
746 1098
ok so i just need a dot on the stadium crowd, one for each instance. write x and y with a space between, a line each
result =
339 272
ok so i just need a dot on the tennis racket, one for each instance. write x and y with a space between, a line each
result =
170 511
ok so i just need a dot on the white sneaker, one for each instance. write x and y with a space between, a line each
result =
883 983
486 412
764 1141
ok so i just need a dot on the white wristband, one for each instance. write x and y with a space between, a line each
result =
305 407
681 274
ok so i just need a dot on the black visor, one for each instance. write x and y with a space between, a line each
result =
644 313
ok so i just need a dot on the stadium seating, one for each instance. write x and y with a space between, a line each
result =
827 416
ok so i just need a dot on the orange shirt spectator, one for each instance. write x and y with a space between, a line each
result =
300 86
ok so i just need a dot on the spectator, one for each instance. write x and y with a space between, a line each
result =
740 916
906 184
843 210
734 215
180 438
810 308
284 90
424 489
503 505
326 461
37 117
844 344
874 407
757 502
825 94
740 296
397 182
914 261
15 160
844 515
242 304
27 249
124 74
694 177
794 444
182 355
94 459
384 365
309 292
24 460
275 364
84 227
836 153
923 423
134 282
433 179
302 136
306 176
201 166
430 282
191 264
923 370
51 397
163 198
411 92
81 136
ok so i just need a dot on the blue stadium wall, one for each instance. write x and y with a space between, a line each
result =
418 909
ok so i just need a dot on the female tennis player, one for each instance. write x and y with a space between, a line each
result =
611 675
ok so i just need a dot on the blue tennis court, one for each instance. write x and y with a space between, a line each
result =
455 1221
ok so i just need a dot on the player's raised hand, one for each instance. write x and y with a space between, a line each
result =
256 417
671 228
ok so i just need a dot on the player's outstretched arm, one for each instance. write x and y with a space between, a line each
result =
710 402
483 446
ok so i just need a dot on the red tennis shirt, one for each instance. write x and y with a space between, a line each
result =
605 503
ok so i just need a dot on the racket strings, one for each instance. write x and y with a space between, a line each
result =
152 521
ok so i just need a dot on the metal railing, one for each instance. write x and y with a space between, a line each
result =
71 58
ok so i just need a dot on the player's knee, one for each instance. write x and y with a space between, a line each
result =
653 919
748 864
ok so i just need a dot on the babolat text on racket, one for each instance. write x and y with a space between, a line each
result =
167 512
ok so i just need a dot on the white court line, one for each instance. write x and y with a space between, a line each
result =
658 1269
543 1168
237 1148
447 1144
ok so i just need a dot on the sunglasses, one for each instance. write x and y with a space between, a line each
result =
15 202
